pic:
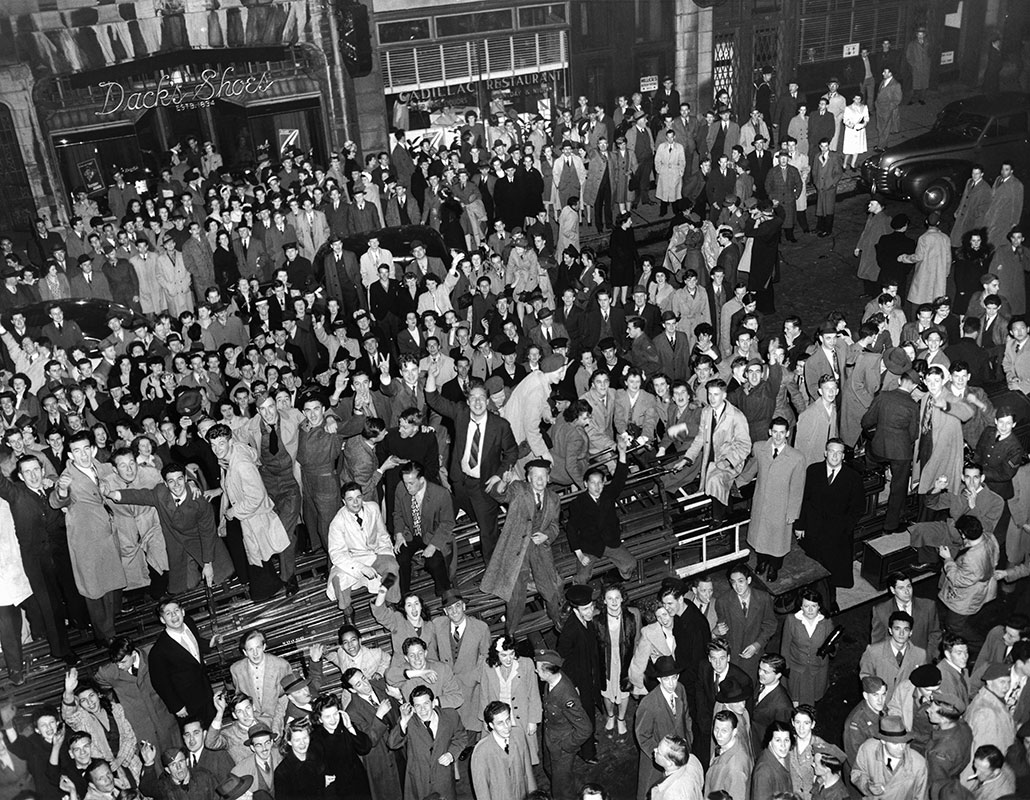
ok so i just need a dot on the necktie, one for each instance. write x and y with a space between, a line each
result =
456 634
833 474
539 502
193 760
776 452
743 608
474 451
273 441
416 516
361 522
506 746
890 765
672 704
429 727
899 657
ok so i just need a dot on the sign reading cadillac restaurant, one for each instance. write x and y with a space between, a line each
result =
212 85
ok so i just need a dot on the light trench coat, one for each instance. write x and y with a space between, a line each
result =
732 443
777 501
243 490
670 160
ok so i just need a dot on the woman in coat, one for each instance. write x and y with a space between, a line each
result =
512 679
622 250
167 285
54 284
339 745
621 165
656 640
301 775
618 630
803 634
411 622
128 674
802 754
971 261
772 767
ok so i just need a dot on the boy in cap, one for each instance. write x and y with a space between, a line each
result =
951 741
566 724
911 701
988 714
887 768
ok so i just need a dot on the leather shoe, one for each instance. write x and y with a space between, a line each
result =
18 678
772 575
292 587
71 658
348 616
760 567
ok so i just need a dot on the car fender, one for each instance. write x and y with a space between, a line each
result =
915 179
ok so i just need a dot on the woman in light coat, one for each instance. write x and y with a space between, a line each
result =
14 590
656 640
85 707
512 680
411 621
855 119
168 286
54 284
622 165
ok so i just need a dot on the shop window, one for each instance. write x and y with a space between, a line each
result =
538 16
18 209
470 24
409 30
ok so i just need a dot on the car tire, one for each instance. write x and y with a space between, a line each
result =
938 196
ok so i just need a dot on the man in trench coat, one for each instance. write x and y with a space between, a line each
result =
972 208
779 488
524 547
783 184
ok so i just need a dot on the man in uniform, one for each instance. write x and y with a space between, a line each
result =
947 752
864 722
566 724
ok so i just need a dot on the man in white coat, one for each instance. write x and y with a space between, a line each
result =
360 551
723 442
779 491
670 160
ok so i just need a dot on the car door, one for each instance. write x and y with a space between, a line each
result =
1007 137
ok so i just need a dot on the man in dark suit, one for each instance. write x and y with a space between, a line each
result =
570 314
771 701
483 448
834 500
760 163
926 627
336 213
62 333
720 184
400 208
341 275
892 245
663 712
648 312
545 331
604 320
895 417
43 541
692 634
430 531
363 217
786 108
249 252
673 348
746 619
713 668
218 762
177 664
729 260
579 645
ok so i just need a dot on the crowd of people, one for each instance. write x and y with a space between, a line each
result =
271 387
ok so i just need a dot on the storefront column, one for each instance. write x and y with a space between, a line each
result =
211 129
693 31
160 115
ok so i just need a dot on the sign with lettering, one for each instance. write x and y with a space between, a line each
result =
89 172
851 50
948 57
213 85
649 83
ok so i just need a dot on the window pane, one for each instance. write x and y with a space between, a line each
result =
469 24
535 16
408 30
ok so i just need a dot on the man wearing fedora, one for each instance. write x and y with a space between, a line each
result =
887 767
663 712
462 643
237 787
893 417
567 726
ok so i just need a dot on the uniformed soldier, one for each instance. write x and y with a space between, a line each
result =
864 722
947 752
566 724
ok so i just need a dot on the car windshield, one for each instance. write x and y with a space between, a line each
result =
961 123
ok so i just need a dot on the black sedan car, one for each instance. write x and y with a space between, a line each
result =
89 315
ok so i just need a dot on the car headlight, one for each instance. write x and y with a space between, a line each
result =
896 172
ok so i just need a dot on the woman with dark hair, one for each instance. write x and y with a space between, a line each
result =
772 767
511 679
803 634
617 632
802 754
101 440
410 620
301 775
227 270
127 672
339 744
125 373
622 250
143 448
86 707
971 261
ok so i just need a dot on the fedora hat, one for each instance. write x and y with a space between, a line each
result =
234 787
892 729
896 361
732 690
665 667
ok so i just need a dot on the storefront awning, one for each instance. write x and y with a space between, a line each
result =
86 118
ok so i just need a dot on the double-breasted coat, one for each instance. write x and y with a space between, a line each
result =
652 722
381 764
670 160
523 697
809 673
471 652
92 543
1004 212
785 185
723 444
777 501
148 715
502 773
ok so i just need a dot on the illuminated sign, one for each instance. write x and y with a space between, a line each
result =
212 85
